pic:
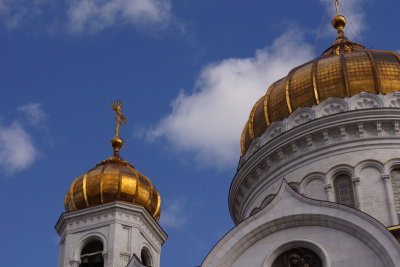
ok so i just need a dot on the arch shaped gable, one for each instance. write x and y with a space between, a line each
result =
289 210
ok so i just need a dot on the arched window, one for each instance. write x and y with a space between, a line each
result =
344 190
145 257
92 254
297 257
395 177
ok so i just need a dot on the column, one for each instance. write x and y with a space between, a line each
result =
329 192
357 192
390 199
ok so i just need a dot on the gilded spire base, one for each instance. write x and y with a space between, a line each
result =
341 44
339 22
117 144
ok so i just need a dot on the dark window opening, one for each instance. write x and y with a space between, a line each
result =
344 190
298 257
92 255
395 177
145 258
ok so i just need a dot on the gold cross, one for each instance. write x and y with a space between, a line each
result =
337 7
117 106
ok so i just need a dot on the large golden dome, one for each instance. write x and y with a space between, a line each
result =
343 70
113 179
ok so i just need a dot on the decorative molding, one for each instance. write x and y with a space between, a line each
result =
392 100
125 257
326 135
356 180
300 116
290 209
331 106
328 188
328 107
365 100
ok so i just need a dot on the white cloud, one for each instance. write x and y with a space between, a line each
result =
173 215
97 15
355 15
209 121
35 114
16 12
17 151
81 16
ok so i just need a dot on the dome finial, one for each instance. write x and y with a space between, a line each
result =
341 44
339 21
117 142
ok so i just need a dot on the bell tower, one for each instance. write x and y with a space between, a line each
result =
111 215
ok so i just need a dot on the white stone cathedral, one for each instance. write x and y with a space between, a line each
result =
318 182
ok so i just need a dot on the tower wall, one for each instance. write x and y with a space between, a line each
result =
124 230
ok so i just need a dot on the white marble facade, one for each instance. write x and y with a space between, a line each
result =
341 236
362 142
124 229
284 193
283 196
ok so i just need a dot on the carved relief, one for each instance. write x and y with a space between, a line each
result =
125 257
275 129
365 100
392 100
298 257
255 145
300 116
331 106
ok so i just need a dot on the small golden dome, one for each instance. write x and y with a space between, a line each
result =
113 179
346 68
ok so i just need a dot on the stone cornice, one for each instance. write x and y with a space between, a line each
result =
116 208
330 106
363 119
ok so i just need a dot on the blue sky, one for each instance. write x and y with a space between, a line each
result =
187 73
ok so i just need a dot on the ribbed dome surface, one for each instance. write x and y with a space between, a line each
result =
113 179
345 69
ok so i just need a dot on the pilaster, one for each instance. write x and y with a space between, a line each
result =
390 199
357 192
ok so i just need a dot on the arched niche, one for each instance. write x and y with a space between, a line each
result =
312 186
92 254
85 240
145 257
305 252
343 188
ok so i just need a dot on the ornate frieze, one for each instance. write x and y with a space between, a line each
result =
335 124
330 106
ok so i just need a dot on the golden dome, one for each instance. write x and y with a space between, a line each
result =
343 70
113 179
